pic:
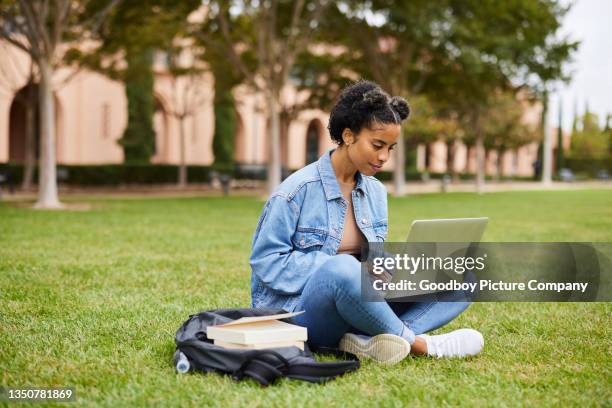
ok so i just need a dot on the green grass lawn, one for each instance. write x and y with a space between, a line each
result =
92 299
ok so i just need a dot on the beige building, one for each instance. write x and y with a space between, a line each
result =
91 113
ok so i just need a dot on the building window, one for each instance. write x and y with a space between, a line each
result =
105 128
312 143
161 60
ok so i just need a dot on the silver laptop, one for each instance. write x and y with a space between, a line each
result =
445 233
448 230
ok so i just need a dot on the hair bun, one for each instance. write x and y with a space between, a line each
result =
375 98
400 106
362 104
372 100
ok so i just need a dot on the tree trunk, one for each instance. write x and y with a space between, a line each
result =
47 178
451 155
547 145
480 164
274 165
28 169
560 153
399 172
182 182
500 163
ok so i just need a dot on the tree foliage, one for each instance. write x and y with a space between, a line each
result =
138 138
503 126
225 131
450 58
589 141
273 33
429 123
130 37
44 30
227 77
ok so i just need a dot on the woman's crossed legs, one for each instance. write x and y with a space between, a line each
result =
333 306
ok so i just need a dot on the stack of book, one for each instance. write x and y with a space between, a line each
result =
258 333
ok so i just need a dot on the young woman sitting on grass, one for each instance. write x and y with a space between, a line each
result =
308 239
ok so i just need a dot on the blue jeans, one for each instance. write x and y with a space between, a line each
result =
333 306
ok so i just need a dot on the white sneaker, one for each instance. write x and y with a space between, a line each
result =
458 343
384 348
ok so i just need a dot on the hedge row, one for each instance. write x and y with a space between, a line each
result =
114 174
121 174
117 174
587 165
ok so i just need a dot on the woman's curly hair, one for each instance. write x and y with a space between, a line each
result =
362 104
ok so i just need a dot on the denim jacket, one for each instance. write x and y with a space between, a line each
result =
301 227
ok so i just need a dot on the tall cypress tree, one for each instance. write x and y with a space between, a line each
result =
225 129
138 139
608 131
227 77
575 119
560 153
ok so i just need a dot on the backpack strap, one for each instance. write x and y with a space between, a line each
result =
264 372
318 372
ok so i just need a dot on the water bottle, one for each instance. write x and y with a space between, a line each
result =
182 364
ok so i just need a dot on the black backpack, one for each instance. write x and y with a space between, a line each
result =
264 365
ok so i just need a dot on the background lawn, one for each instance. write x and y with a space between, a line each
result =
92 299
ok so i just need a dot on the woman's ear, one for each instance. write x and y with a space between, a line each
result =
348 137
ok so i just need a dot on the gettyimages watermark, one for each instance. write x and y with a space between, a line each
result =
487 272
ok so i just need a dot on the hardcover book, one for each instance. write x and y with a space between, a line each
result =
258 331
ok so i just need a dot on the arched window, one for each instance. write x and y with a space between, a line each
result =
160 125
18 123
312 142
240 147
427 156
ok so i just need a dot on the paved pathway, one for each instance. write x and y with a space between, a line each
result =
435 186
257 188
